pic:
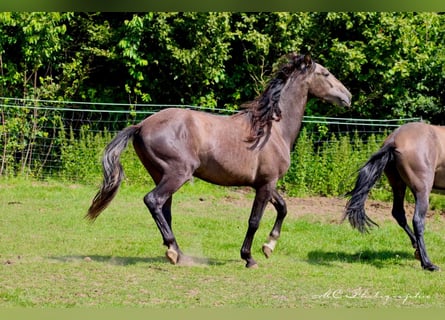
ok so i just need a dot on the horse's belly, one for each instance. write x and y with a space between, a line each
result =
222 178
226 174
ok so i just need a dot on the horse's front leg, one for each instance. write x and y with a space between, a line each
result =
280 206
262 197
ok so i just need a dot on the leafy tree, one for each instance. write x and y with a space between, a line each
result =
259 41
176 58
393 62
30 45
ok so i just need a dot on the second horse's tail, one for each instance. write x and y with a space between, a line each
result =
112 171
367 177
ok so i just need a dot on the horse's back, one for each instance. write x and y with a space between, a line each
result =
179 131
420 152
185 125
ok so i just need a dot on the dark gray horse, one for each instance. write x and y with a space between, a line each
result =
251 148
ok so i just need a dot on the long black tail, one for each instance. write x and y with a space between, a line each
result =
367 177
112 171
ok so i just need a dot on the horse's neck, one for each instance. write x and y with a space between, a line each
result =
292 103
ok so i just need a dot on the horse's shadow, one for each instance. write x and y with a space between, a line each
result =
378 259
154 262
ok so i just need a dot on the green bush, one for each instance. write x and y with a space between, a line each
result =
80 156
81 159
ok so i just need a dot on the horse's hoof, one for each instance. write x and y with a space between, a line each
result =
267 250
432 267
251 264
172 256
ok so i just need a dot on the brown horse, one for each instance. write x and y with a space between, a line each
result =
251 148
412 156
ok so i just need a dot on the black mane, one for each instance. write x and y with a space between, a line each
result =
265 108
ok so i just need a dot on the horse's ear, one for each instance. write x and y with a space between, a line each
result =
307 60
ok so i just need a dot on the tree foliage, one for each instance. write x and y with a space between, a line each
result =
393 62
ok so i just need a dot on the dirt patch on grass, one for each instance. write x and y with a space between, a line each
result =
333 208
326 209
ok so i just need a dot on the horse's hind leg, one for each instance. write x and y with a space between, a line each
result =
280 206
398 211
421 207
158 202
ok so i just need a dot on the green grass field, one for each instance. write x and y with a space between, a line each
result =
51 257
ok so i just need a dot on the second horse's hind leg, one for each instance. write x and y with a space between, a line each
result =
280 206
398 210
421 207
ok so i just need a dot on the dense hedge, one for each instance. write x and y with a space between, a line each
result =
328 168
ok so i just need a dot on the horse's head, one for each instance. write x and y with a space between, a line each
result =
323 85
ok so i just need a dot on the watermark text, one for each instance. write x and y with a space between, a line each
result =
364 293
